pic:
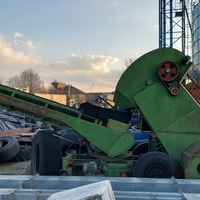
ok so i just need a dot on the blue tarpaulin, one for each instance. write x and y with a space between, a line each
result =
9 120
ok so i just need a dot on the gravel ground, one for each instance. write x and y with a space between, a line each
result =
16 168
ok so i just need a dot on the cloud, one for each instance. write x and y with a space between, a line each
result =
117 3
89 63
18 35
79 71
103 82
24 43
13 59
120 17
30 45
82 71
18 43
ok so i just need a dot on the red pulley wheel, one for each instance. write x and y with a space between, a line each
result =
174 91
168 71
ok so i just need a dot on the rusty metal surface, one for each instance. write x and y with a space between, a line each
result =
17 131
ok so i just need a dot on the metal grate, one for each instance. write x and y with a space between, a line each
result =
191 83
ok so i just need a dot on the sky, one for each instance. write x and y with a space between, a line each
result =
83 43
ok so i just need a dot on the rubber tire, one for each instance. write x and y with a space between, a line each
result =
46 155
140 149
156 165
10 148
1 145
24 154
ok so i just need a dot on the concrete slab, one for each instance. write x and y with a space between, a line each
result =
96 191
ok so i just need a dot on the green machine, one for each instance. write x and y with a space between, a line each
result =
163 84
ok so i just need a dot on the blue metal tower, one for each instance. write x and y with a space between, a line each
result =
172 31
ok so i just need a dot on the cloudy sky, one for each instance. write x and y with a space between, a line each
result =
77 42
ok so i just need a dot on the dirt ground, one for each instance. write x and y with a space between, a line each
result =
15 168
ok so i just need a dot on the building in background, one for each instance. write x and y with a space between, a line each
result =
73 97
65 94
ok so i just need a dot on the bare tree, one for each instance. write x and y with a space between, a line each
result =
1 80
29 80
128 62
14 82
41 89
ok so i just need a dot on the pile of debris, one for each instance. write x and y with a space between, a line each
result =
16 133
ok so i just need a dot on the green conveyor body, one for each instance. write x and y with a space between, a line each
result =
110 138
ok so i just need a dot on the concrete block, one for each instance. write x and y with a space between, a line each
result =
96 191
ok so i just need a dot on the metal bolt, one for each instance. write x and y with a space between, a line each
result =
168 71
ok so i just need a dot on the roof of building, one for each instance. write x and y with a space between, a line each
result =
62 88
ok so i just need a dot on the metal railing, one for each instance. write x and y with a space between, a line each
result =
191 83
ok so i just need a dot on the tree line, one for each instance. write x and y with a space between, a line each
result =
27 80
30 81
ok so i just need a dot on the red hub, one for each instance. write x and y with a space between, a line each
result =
168 71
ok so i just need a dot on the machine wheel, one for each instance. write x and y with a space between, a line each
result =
24 154
9 148
46 156
140 149
156 165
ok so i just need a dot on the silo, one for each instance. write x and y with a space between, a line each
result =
196 34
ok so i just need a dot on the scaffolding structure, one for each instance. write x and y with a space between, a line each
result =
175 27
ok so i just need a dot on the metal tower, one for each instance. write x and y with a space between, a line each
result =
172 24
